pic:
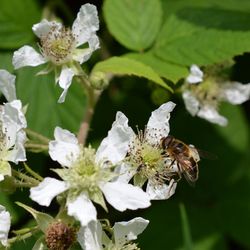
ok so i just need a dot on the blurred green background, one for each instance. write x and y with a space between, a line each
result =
167 36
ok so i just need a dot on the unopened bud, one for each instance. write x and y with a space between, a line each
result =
99 80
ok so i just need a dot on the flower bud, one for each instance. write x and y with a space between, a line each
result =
99 80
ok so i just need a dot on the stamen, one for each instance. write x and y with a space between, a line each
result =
58 45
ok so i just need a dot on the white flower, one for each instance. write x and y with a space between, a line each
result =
196 75
12 123
202 99
144 159
4 225
92 237
87 177
61 46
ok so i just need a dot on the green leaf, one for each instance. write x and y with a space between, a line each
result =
236 122
16 20
41 95
43 220
40 244
185 228
187 39
134 24
170 71
126 66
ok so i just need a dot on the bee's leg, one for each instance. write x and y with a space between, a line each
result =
179 172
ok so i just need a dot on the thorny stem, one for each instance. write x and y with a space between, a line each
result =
92 98
23 235
33 173
28 181
36 135
36 147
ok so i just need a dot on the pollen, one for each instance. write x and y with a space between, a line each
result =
58 45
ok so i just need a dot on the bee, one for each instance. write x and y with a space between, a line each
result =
185 156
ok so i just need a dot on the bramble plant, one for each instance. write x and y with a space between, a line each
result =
75 184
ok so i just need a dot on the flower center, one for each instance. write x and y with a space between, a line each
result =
207 92
58 45
85 174
148 159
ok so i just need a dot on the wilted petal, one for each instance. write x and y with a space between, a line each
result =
43 28
82 209
47 190
191 103
4 225
13 114
129 230
196 75
115 146
17 153
7 85
158 123
235 92
27 56
86 23
210 114
90 237
65 148
124 196
65 80
161 192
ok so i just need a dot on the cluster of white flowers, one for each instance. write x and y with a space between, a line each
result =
128 169
12 124
202 95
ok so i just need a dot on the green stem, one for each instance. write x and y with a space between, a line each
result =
36 135
37 147
23 235
33 173
92 98
23 177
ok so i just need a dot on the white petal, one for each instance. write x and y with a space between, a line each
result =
45 192
191 103
7 85
4 225
196 75
43 28
17 153
127 231
235 92
124 196
65 148
82 209
83 55
158 123
27 56
115 146
90 237
65 80
161 192
125 172
13 114
210 114
1 177
86 23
